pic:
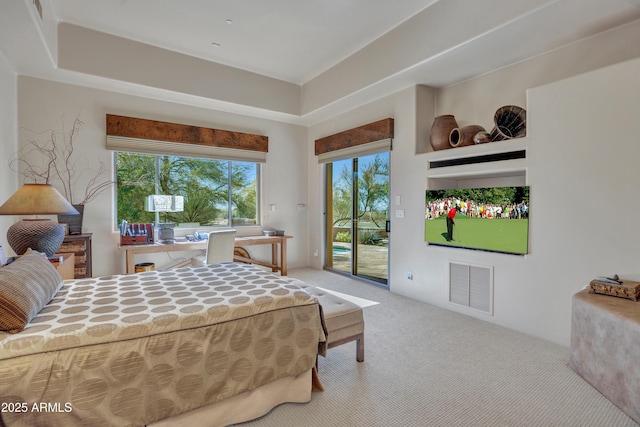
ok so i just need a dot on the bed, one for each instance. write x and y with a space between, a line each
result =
223 343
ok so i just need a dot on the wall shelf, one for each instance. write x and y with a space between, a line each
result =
495 163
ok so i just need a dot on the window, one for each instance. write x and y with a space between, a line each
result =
216 192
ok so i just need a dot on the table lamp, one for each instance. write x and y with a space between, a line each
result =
165 203
39 234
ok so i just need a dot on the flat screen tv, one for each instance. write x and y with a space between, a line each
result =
491 219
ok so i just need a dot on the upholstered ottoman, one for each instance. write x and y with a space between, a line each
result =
605 347
344 319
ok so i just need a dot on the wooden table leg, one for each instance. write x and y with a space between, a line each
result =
131 267
274 256
283 257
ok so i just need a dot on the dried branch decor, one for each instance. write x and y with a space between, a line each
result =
58 164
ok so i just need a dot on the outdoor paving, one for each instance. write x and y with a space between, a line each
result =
372 260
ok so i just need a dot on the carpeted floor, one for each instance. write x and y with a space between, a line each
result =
426 366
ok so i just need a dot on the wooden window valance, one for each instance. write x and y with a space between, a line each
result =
372 137
151 136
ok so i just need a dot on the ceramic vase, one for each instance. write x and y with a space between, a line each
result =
74 222
440 130
459 137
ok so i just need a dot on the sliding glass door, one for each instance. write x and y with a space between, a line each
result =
357 217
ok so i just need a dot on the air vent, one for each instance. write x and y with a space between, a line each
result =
486 158
471 286
38 6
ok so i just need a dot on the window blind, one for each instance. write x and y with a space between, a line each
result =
356 151
137 145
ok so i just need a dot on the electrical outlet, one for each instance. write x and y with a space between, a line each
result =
409 275
315 253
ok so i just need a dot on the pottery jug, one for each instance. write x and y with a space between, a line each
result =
440 130
459 137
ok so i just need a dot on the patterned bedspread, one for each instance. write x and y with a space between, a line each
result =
134 349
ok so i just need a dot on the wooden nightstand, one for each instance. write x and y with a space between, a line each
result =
80 245
66 267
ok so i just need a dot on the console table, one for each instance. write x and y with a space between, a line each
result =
605 347
278 258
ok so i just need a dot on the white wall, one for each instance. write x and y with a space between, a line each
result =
8 143
584 150
47 105
101 54
581 149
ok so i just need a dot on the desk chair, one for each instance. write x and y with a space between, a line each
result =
220 247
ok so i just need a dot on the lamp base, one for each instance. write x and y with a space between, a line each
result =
42 235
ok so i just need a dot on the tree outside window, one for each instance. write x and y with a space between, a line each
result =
216 192
372 194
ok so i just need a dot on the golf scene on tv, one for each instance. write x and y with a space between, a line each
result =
492 219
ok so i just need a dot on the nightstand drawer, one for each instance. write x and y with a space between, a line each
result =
80 246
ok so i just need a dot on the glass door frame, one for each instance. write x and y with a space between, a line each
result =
354 223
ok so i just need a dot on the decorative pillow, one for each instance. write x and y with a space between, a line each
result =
26 286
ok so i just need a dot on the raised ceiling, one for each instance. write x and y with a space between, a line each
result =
293 60
291 40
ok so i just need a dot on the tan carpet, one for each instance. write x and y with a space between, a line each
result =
426 366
